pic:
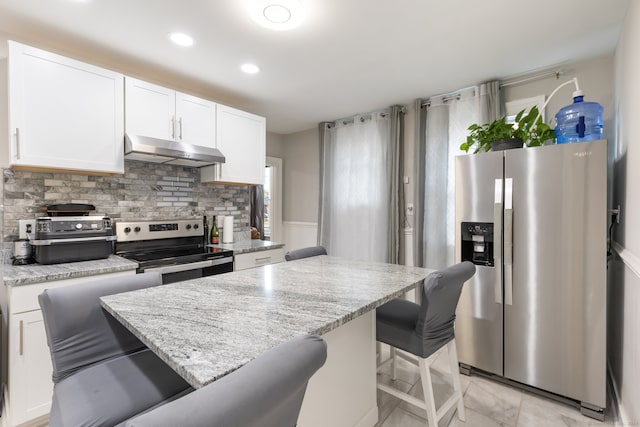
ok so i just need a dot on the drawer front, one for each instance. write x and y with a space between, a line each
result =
259 258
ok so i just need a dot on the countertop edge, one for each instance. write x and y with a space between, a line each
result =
112 264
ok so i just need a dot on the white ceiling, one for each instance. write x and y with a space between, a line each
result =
347 57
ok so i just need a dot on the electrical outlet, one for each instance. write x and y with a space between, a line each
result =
26 226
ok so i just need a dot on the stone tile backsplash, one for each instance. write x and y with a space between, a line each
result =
145 191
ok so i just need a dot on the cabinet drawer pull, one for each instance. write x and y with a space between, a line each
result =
262 260
21 343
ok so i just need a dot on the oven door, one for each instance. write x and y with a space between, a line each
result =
193 270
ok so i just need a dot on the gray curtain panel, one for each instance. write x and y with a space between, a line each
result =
441 128
361 200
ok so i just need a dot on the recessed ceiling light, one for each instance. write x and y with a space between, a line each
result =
181 39
278 15
250 68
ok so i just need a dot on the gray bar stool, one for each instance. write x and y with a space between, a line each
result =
266 392
421 330
102 373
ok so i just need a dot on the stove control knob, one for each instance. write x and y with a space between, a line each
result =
188 226
196 226
137 229
78 226
127 230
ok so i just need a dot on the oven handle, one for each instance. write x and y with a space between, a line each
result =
72 240
190 266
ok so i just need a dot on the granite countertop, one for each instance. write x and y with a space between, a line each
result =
16 275
247 246
206 328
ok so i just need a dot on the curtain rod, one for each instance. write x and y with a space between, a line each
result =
383 112
514 82
448 96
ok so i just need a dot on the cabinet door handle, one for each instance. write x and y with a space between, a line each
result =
173 127
17 143
180 128
21 337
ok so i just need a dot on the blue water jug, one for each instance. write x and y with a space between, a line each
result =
580 121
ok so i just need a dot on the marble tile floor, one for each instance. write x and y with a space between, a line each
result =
487 403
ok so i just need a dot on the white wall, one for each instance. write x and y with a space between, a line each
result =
300 154
302 176
275 145
624 273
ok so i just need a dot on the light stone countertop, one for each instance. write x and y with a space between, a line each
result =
18 275
247 246
206 328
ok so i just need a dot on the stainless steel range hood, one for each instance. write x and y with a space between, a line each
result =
154 150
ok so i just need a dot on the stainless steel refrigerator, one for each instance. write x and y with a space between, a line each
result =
534 221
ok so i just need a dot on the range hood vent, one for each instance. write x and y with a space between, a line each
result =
154 150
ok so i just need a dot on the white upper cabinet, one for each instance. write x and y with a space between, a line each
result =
196 123
149 109
159 112
241 137
63 114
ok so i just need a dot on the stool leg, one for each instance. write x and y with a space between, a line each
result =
394 360
427 388
455 373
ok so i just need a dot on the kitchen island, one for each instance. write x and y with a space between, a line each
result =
208 327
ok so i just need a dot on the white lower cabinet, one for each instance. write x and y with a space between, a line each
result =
29 384
30 367
258 259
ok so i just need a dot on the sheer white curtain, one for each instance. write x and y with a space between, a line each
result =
444 127
356 184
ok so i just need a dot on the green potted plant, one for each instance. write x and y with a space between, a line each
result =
528 129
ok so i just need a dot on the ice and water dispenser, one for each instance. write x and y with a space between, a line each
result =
477 243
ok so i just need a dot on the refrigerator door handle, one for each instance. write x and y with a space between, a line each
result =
508 241
497 241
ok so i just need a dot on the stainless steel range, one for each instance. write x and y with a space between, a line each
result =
175 248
